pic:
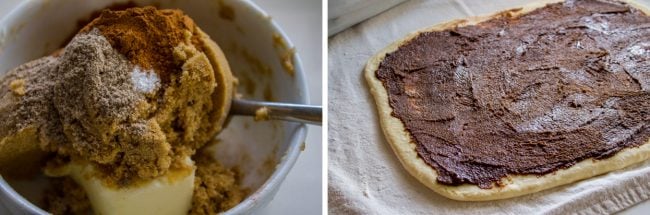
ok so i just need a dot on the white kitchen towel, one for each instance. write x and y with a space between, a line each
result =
342 14
365 177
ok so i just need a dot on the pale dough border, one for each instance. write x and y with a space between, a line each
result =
515 185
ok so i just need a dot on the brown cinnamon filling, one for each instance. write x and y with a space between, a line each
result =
524 95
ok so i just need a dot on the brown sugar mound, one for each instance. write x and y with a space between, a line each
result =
191 105
133 94
216 188
87 103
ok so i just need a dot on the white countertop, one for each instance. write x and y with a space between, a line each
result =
301 191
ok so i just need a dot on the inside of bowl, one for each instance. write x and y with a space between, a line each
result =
256 51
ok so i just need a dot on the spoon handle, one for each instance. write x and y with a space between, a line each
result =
310 114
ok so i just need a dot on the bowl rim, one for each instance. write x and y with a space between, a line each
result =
252 201
272 184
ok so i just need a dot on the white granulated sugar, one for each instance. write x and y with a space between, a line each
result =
520 49
616 135
144 81
560 118
501 33
638 49
578 45
578 76
461 74
609 103
596 25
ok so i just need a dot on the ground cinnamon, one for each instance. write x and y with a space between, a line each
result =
146 36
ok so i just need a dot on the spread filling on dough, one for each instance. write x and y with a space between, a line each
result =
524 95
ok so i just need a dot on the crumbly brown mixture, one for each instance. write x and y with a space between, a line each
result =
18 112
262 114
65 196
216 188
103 125
79 102
179 119
287 61
87 103
285 53
17 87
134 94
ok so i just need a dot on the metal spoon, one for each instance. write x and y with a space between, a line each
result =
310 114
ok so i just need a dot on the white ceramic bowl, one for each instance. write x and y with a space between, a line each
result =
263 151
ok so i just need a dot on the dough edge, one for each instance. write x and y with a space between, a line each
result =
514 185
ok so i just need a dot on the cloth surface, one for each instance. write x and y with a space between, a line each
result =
365 177
345 13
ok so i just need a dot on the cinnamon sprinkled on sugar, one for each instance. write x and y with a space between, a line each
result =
146 36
